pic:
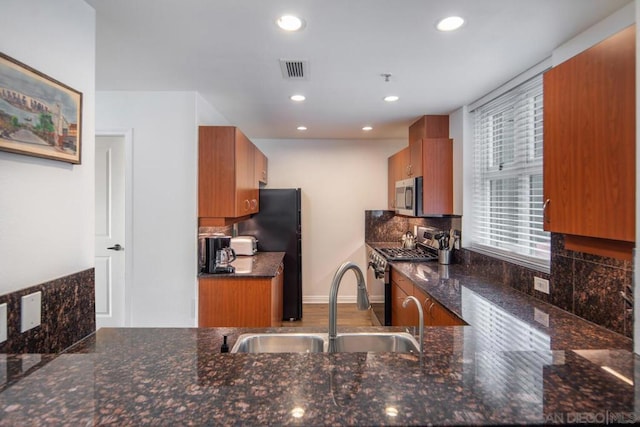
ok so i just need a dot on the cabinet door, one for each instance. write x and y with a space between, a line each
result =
234 302
246 184
276 298
398 170
415 159
401 287
391 182
399 315
427 305
261 167
437 172
404 159
216 171
443 317
589 142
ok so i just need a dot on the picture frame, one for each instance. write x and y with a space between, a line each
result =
39 116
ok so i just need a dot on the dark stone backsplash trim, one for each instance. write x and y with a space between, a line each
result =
67 315
586 285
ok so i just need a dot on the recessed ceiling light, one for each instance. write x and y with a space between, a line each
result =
301 128
367 128
290 23
391 98
297 98
450 23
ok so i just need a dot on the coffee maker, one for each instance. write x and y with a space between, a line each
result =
218 255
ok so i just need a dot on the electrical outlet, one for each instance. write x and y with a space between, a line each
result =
31 311
541 317
3 322
540 284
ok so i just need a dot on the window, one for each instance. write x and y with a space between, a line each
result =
507 192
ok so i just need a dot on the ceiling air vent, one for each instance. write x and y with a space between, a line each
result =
294 69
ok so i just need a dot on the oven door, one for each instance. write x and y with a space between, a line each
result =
379 290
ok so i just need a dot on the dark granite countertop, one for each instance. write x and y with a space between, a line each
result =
262 264
505 367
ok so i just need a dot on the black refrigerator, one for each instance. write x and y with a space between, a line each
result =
277 228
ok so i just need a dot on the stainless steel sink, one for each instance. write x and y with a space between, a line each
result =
349 342
377 342
280 343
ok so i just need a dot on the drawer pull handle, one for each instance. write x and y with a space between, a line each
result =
545 216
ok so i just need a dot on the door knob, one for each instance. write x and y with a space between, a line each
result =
117 247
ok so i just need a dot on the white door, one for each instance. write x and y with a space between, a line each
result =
110 231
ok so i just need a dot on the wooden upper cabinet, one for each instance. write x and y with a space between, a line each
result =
429 127
429 155
437 176
589 142
262 167
397 165
425 127
227 188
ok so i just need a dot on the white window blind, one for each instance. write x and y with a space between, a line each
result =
507 193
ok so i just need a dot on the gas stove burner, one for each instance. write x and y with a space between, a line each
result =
404 254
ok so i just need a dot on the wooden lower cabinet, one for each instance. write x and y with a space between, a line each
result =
400 316
435 314
252 302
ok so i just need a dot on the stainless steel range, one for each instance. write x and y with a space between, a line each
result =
418 254
378 276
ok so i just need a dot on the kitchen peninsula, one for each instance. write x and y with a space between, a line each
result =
572 370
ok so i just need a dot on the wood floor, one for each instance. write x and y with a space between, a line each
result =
318 315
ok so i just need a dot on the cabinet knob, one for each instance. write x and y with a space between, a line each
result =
247 205
254 204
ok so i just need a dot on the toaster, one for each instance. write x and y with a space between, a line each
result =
244 245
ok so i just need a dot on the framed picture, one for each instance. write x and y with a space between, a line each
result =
39 116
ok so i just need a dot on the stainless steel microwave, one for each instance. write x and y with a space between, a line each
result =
409 197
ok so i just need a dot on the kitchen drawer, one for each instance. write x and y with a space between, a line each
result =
402 281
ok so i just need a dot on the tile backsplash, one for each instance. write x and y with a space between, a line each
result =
67 315
586 285
386 226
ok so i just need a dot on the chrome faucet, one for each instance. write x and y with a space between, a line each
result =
363 298
420 319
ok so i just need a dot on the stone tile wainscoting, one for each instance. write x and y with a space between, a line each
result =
67 315
588 286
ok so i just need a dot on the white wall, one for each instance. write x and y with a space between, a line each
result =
636 268
457 121
164 127
340 179
46 206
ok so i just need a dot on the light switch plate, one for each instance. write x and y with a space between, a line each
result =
540 284
30 311
3 322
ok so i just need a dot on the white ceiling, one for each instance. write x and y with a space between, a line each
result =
229 51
